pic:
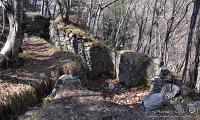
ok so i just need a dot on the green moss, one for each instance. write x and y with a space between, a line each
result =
185 102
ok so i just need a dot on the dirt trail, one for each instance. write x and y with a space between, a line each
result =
24 86
96 101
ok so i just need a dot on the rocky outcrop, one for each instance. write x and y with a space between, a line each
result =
164 78
129 67
134 68
101 60
96 56
37 25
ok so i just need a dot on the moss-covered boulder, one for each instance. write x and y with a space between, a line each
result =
101 60
135 69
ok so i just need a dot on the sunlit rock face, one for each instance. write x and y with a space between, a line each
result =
65 85
71 64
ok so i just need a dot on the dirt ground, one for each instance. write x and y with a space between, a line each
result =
96 101
99 100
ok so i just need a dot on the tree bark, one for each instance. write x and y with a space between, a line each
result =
152 26
4 22
193 73
90 15
12 46
121 24
98 15
47 10
42 7
60 9
189 42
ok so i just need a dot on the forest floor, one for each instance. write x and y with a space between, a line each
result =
24 85
20 86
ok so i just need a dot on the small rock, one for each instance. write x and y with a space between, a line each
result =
163 72
152 101
108 118
111 86
128 98
68 107
131 106
195 103
66 77
170 90
29 113
179 108
156 85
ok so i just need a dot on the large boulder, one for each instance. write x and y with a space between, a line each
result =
135 69
101 60
65 84
153 101
70 64
37 25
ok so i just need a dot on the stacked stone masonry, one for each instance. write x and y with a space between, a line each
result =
128 66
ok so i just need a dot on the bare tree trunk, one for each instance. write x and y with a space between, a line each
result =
193 73
98 14
60 9
42 7
152 26
189 42
35 4
166 41
12 46
142 26
90 15
67 6
170 24
47 10
121 24
67 12
54 9
4 22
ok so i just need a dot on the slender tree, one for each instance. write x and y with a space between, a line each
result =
15 13
189 41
